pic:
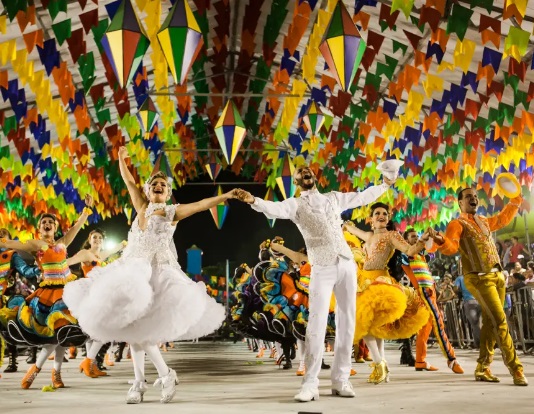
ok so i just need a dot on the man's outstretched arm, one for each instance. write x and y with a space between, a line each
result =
274 210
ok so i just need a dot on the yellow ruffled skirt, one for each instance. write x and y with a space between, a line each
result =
385 309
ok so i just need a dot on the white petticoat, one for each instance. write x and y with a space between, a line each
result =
134 301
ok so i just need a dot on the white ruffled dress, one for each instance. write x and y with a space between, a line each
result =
144 297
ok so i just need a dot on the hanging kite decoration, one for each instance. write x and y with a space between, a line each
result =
180 39
213 167
147 115
342 47
220 211
125 43
271 196
314 118
230 131
285 178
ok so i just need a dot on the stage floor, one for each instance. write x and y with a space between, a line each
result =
226 378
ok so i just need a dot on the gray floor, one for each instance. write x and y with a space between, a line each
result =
226 378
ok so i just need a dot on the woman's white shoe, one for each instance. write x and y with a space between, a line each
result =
168 385
136 392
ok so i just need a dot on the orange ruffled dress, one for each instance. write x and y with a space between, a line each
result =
42 313
384 308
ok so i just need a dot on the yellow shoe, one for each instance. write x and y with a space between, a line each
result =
380 373
519 378
368 358
484 374
360 361
353 372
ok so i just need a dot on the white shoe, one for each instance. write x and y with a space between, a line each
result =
136 392
168 385
343 390
307 394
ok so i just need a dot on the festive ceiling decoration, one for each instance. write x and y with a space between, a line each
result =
342 46
285 178
314 118
213 167
180 38
125 43
444 86
220 211
147 115
230 131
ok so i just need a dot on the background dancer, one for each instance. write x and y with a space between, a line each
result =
416 268
10 263
93 248
42 318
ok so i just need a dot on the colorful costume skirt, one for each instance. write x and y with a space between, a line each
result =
39 316
385 309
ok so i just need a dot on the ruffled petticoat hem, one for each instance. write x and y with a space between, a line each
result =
132 301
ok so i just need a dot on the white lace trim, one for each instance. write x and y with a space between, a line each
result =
153 207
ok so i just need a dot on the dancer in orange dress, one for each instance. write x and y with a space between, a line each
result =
43 318
93 248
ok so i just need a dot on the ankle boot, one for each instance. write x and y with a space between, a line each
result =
32 358
57 382
73 352
118 353
87 367
407 357
12 366
28 379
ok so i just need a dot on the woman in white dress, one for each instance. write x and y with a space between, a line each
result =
144 298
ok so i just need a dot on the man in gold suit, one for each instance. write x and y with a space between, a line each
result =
470 234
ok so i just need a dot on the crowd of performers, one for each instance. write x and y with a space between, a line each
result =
294 298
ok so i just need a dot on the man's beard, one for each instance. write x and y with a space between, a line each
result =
306 186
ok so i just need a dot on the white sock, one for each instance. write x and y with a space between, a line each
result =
155 356
138 359
58 360
44 354
301 350
380 343
92 352
373 349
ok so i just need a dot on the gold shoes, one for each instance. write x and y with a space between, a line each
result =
519 378
484 374
380 373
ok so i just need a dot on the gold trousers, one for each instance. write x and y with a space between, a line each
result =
489 290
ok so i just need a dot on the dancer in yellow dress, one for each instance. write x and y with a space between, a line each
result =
385 309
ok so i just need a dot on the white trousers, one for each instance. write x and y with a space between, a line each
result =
341 279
